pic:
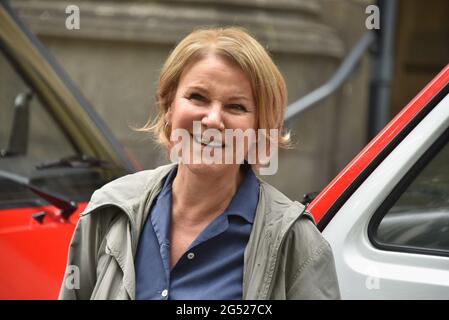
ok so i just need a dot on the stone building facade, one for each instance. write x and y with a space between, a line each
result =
120 47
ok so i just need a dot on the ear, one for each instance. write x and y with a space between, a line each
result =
168 115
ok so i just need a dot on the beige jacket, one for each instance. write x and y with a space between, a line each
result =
286 256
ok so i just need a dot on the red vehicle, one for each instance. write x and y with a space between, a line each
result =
54 152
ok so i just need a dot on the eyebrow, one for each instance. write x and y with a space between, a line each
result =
203 89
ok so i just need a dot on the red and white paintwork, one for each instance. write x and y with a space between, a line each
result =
330 194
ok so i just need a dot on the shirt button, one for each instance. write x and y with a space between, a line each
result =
164 293
190 255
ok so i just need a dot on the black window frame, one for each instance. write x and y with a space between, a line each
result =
127 163
381 156
397 192
37 95
36 201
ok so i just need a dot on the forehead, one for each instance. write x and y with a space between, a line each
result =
213 72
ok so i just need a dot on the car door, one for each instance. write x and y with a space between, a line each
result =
390 236
54 152
34 236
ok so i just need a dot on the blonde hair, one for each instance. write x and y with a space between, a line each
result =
236 46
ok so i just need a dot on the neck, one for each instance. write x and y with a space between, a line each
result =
198 196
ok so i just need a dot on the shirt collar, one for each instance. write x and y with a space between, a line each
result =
243 204
161 213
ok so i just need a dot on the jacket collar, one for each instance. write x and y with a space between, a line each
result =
133 194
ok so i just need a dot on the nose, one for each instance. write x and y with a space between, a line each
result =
214 118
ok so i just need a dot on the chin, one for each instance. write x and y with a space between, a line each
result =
211 169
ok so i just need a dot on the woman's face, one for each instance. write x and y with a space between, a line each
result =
214 94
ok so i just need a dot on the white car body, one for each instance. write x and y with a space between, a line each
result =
367 272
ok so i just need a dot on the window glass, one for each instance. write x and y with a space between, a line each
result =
46 143
420 217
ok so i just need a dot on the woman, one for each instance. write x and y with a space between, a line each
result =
203 230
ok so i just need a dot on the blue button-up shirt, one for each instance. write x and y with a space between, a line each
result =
212 266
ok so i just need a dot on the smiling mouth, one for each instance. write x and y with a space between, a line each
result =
206 143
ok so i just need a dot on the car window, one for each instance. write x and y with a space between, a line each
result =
418 218
46 143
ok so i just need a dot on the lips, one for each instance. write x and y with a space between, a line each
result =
204 142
